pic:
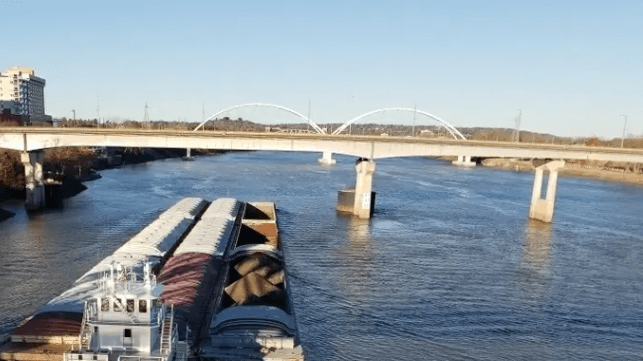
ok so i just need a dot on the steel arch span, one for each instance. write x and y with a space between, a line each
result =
214 116
454 132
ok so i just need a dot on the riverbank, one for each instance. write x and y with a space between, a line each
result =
608 171
71 166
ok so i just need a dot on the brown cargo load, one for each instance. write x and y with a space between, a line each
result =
251 285
255 262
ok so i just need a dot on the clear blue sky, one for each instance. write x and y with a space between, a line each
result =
573 67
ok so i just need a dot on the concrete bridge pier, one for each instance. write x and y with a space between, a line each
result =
464 161
542 209
327 158
359 201
34 186
188 154
364 202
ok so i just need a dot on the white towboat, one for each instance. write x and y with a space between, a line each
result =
125 321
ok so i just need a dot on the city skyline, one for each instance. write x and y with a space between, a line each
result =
572 69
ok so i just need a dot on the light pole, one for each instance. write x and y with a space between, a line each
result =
624 125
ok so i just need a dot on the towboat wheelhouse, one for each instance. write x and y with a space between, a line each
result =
126 321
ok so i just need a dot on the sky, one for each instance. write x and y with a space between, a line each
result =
573 68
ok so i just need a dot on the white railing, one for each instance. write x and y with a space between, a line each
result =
75 356
139 358
84 339
170 335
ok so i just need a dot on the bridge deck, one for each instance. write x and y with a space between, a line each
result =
373 147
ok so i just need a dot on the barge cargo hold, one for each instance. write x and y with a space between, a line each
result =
196 278
255 319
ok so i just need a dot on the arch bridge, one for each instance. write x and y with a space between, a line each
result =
455 133
306 119
450 128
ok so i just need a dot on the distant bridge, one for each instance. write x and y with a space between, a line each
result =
450 128
367 148
215 115
371 147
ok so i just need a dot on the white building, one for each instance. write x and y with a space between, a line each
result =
23 93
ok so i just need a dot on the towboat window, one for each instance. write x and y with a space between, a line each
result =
104 304
117 305
127 332
142 306
130 305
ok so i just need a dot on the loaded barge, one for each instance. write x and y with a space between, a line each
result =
205 280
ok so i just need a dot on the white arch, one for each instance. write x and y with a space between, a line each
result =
454 132
212 117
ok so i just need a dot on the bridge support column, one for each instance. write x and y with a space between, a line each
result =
542 209
188 154
35 189
364 202
327 158
359 201
465 161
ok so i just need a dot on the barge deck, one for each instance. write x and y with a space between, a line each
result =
220 270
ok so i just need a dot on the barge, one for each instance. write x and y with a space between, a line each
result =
206 280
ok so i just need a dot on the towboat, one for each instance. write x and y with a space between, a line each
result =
125 321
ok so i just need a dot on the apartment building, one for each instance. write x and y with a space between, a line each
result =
23 94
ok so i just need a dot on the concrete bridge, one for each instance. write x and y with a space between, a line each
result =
31 141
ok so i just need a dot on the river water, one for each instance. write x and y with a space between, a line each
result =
449 267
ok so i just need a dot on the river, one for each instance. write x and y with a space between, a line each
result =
449 267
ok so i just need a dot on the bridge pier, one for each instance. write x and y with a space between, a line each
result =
35 189
464 161
364 202
188 154
359 201
327 158
542 209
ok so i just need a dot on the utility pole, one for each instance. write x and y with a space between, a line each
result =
146 117
350 129
624 126
308 120
97 107
413 127
516 135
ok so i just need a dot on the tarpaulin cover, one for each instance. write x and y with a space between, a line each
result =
190 280
52 324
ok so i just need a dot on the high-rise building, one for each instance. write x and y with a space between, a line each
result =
23 94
